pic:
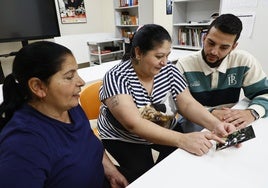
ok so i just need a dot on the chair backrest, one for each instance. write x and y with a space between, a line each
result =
89 99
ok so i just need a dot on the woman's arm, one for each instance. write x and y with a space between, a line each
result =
195 112
116 179
125 111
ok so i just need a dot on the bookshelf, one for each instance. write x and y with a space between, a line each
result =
129 14
191 19
101 51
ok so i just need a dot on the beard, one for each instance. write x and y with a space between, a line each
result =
212 65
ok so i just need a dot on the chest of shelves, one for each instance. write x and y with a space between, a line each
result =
129 14
191 19
106 50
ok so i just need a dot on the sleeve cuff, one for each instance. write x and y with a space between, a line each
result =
259 109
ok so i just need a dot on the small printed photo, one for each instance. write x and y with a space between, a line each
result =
237 137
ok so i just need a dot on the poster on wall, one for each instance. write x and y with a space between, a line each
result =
72 11
168 6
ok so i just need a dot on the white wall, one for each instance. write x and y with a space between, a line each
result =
78 44
160 16
100 24
257 43
100 18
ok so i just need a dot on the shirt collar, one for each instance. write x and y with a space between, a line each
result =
207 70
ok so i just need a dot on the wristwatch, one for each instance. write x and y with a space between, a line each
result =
254 113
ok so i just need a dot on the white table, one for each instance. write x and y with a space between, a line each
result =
97 72
244 167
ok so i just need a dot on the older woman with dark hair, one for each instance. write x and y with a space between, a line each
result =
46 139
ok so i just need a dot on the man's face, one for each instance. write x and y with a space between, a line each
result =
217 45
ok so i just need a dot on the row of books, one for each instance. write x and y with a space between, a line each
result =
127 19
125 3
191 36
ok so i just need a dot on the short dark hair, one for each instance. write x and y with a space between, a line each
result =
227 23
147 37
40 59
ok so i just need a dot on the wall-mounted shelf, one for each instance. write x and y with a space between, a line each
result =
128 17
191 19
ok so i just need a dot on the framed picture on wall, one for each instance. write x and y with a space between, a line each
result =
168 6
72 11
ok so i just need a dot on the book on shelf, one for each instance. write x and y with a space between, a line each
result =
191 36
127 19
127 33
203 33
182 36
133 20
125 3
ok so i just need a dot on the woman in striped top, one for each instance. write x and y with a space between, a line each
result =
140 99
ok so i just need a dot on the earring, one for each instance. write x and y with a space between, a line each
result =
136 60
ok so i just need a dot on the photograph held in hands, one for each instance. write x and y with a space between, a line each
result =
237 137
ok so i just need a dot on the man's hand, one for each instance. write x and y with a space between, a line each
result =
239 118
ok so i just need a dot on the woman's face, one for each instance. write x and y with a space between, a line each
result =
62 92
153 61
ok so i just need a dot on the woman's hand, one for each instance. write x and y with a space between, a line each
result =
223 129
116 179
198 143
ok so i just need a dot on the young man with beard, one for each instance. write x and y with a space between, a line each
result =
218 73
